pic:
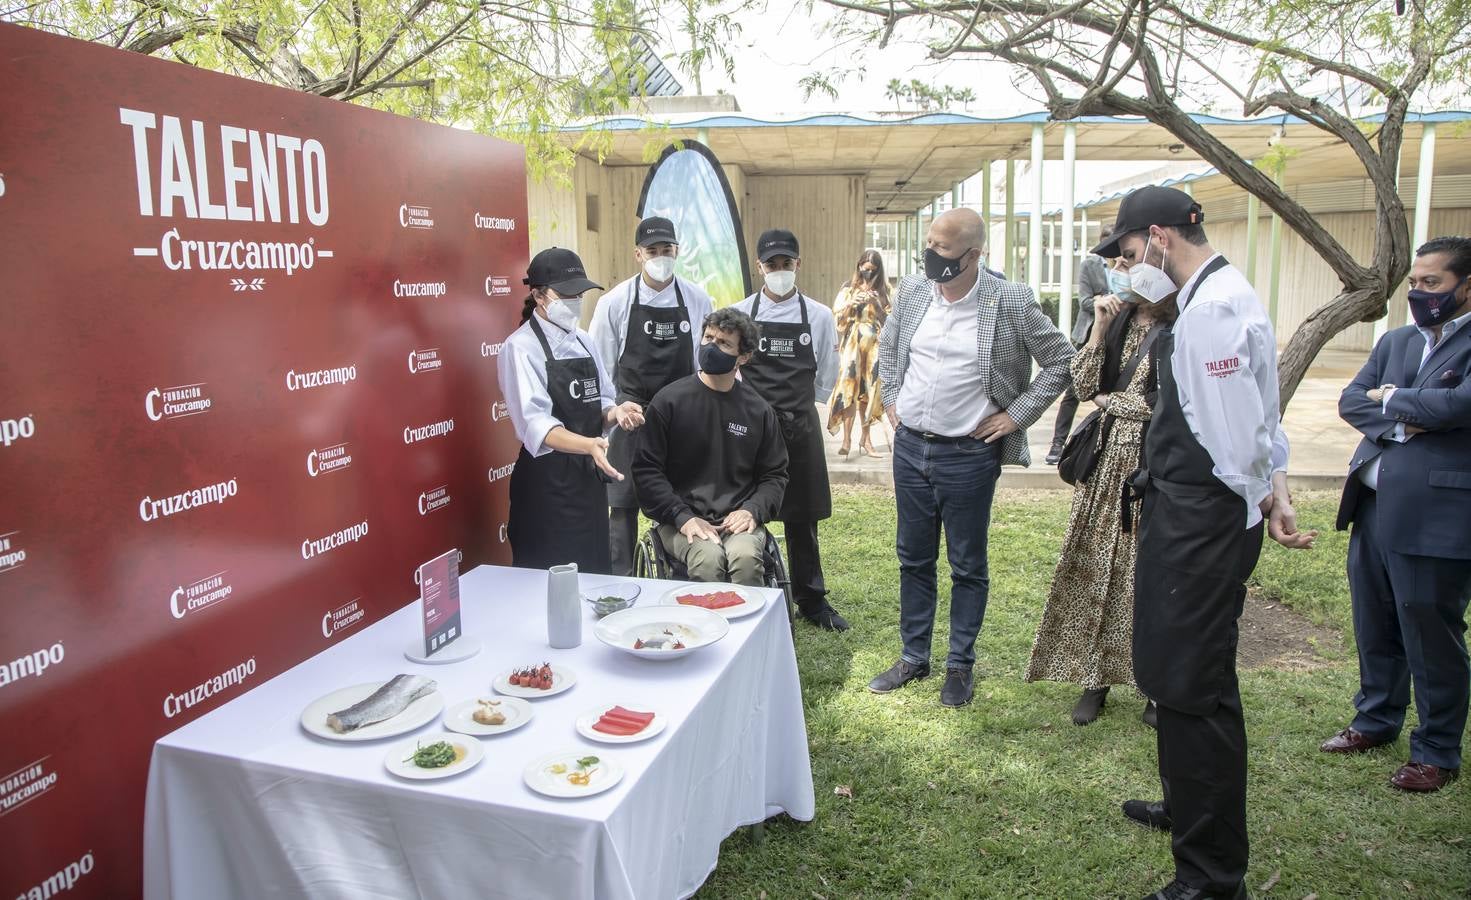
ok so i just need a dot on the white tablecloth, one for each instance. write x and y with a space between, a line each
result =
243 803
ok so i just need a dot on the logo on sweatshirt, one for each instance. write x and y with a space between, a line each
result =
737 429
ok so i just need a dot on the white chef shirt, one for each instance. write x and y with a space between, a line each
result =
1369 474
824 333
523 374
609 326
1225 365
942 391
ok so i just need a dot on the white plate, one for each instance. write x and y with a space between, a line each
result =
418 714
562 679
399 760
586 721
754 599
695 627
461 716
608 774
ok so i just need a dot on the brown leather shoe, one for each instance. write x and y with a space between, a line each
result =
1350 741
1422 778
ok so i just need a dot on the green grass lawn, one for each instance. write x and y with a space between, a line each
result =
1007 798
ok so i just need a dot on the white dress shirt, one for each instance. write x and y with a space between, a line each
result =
824 333
1369 474
1225 365
609 326
942 391
523 374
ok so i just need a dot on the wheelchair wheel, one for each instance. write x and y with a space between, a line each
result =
776 576
646 559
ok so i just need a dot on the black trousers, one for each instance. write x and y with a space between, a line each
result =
1202 768
622 536
1066 410
1189 587
804 564
1410 626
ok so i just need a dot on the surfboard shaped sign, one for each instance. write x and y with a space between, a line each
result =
688 187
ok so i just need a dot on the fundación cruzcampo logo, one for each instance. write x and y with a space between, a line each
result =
424 361
177 402
411 216
205 592
328 459
266 177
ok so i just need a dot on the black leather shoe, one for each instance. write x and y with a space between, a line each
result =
896 676
1179 890
825 617
1153 816
958 689
1053 455
1089 705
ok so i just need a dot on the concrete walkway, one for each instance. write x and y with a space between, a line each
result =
1321 441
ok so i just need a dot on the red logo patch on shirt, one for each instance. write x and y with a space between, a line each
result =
1223 368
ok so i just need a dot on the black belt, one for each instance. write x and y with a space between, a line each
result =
930 437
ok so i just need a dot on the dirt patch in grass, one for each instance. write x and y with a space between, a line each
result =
1273 636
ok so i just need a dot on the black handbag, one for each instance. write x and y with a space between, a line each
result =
1085 445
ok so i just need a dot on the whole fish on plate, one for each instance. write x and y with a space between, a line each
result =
384 703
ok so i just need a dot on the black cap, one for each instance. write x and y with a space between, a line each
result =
654 230
776 242
1151 205
561 270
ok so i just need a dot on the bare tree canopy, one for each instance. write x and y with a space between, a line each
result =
515 68
1330 63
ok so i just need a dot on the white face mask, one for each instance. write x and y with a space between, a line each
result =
565 314
781 282
659 268
1150 282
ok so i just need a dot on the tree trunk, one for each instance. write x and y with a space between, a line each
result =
1321 325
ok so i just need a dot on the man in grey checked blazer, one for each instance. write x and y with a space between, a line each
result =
955 362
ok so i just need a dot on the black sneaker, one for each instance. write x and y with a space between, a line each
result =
898 675
1153 816
1054 455
1179 890
958 688
824 617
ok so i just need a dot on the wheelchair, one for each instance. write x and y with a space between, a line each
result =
651 560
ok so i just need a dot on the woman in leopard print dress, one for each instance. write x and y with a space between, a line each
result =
1087 627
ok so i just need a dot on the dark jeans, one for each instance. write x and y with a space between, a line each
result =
804 565
951 485
622 536
1410 627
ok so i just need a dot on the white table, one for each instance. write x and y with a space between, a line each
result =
243 803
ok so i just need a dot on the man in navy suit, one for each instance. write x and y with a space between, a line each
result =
1408 495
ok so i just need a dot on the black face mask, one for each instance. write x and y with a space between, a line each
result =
714 361
941 269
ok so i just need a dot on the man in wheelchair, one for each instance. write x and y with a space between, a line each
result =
711 466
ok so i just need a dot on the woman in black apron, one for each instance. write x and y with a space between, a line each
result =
784 372
560 402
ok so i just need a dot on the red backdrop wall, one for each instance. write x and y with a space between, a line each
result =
248 385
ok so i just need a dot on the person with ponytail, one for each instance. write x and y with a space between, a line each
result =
561 404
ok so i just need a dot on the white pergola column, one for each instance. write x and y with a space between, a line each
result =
1034 221
1009 242
1069 164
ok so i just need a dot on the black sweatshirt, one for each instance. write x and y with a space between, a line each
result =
703 452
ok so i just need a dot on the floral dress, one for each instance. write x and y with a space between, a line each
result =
859 316
1087 627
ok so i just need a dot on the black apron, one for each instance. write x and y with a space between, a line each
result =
558 514
657 350
1193 559
783 371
